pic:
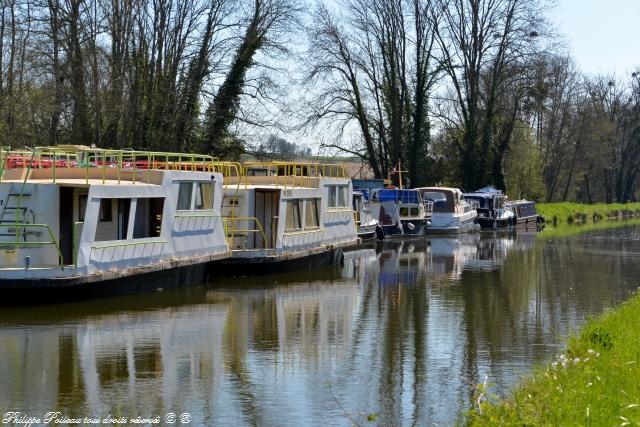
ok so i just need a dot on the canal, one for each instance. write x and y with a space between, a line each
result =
399 334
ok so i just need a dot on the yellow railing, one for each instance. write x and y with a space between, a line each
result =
233 229
132 243
194 215
86 158
18 230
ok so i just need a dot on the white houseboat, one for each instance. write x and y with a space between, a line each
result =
492 213
283 215
401 212
78 222
451 212
366 224
525 215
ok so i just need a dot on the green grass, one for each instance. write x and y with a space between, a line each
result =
596 382
568 212
568 230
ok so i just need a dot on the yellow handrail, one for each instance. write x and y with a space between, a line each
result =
235 230
17 243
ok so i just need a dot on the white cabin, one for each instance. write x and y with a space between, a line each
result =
100 214
451 212
288 210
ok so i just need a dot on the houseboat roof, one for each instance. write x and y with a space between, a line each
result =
396 194
442 189
488 189
484 195
521 202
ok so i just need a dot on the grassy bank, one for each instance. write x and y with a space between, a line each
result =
567 230
567 212
596 382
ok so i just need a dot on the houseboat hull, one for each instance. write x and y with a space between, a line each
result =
410 228
244 264
448 224
486 223
133 281
529 223
367 232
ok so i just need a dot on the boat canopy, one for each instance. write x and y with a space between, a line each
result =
523 208
487 200
396 195
488 189
444 199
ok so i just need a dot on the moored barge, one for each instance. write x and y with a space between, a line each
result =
285 215
77 222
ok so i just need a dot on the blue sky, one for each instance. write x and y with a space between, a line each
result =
602 35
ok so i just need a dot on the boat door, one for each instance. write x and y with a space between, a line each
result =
267 203
66 224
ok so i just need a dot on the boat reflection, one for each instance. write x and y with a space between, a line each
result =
438 257
401 330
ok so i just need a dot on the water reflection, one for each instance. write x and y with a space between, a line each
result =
402 330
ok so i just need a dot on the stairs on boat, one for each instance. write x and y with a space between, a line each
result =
12 213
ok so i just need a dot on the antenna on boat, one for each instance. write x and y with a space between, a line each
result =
398 170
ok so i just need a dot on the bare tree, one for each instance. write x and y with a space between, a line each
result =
269 20
482 43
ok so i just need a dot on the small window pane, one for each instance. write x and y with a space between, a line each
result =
105 210
205 194
293 216
332 197
342 196
82 206
184 196
311 214
404 211
414 211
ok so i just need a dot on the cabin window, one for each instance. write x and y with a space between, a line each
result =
342 196
293 216
106 210
357 204
82 206
184 196
414 211
114 228
338 196
148 218
204 196
311 214
404 211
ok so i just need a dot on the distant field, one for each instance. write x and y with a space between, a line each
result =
595 382
567 212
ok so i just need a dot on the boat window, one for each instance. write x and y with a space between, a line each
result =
184 196
106 210
116 228
332 197
439 199
293 215
82 206
311 214
204 196
414 211
342 196
357 203
404 211
148 217
338 196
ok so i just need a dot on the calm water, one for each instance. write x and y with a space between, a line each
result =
402 330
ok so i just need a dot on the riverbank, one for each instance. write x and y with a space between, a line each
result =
568 212
562 230
595 382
